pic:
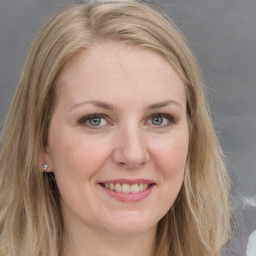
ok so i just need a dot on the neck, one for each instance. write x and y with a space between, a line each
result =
86 242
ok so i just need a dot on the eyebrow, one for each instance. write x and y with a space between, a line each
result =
96 103
164 104
104 105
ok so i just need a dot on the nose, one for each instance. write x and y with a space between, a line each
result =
131 148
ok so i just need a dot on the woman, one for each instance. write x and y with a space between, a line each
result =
108 146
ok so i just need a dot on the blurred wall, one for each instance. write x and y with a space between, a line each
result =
222 35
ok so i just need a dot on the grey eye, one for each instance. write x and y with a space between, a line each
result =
157 120
95 121
161 120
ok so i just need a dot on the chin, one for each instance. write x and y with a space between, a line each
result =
130 224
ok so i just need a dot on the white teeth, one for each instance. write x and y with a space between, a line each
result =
134 188
118 187
127 188
141 187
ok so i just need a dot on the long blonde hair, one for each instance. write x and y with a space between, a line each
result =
30 218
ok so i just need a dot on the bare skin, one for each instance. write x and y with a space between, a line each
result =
119 123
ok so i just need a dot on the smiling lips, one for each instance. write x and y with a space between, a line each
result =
126 188
128 191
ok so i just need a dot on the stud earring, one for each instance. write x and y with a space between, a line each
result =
45 165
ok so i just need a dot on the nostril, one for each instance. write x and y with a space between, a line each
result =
131 165
128 158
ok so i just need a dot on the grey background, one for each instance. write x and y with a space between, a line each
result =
222 35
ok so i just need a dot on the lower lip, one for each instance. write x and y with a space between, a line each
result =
129 197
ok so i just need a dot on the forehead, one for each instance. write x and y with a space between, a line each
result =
110 67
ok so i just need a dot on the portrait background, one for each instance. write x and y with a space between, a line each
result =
222 35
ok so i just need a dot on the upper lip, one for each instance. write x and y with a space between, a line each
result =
128 181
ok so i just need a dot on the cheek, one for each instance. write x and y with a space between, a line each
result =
76 161
171 155
75 155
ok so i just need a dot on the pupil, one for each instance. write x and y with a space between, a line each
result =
157 120
95 121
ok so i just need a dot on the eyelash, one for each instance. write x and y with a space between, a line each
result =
83 120
170 118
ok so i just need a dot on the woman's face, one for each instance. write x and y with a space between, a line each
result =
118 139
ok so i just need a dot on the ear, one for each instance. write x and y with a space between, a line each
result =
44 157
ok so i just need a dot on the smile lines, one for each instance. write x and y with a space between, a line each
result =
126 188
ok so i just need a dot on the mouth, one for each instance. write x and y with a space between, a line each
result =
126 188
